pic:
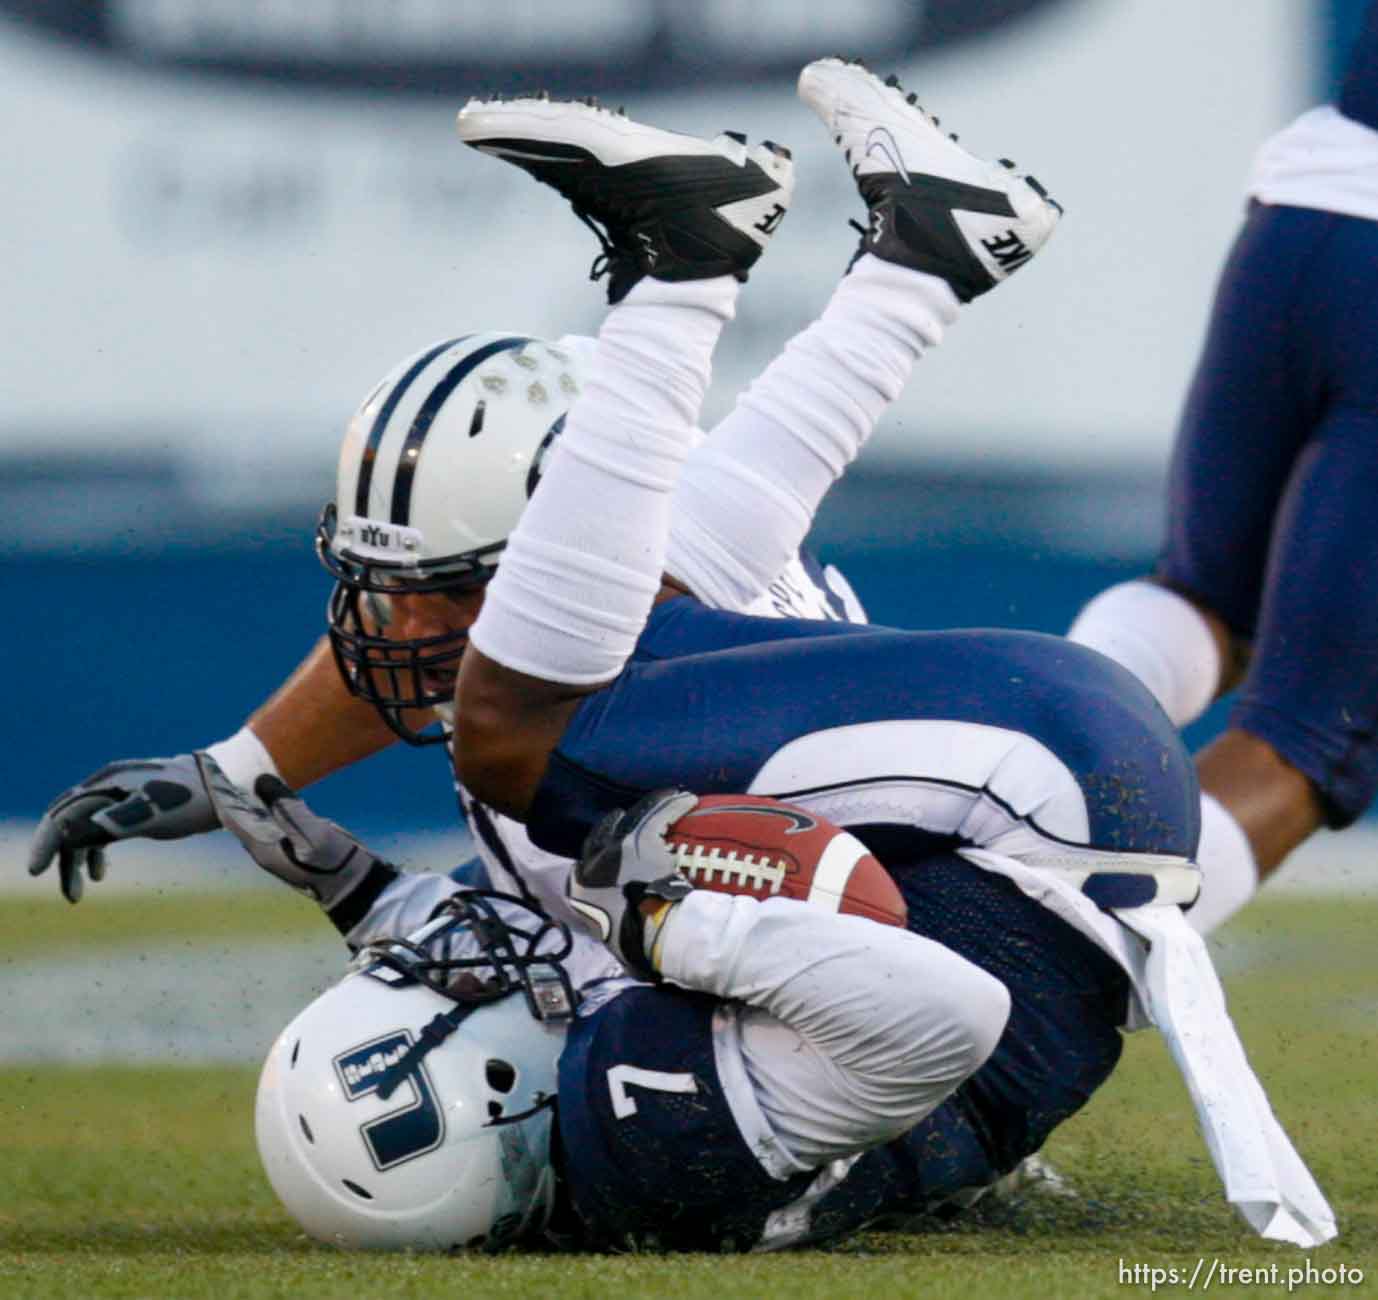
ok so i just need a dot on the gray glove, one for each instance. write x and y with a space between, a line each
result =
287 839
153 798
626 861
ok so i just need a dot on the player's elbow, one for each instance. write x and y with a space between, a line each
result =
967 1012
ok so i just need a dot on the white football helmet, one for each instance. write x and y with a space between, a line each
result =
394 1115
435 469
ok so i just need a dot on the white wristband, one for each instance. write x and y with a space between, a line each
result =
244 758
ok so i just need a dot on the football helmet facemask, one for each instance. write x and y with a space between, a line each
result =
435 468
410 1107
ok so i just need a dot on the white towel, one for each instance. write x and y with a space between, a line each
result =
1264 1177
1176 988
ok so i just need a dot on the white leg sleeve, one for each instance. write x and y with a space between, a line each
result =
852 1033
583 565
1161 638
748 495
1229 875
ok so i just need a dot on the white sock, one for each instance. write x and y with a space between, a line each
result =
584 564
1229 875
747 497
1161 638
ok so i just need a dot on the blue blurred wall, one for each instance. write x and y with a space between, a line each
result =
162 635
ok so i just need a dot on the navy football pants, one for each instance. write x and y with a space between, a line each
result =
1273 505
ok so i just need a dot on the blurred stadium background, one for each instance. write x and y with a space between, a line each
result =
223 221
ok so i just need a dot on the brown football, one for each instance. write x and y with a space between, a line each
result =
748 844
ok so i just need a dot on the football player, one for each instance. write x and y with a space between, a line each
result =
1031 800
1054 770
705 1082
1264 580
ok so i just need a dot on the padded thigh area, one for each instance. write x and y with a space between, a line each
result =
1273 482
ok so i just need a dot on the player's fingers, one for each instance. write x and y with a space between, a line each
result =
653 816
68 825
47 840
95 863
668 807
69 873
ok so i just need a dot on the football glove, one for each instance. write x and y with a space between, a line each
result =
626 861
288 840
153 798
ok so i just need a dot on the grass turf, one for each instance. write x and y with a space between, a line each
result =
143 1181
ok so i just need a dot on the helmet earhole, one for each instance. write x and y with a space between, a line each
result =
357 1190
501 1076
306 1129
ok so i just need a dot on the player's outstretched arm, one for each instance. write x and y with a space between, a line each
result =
312 726
152 798
309 728
288 840
365 897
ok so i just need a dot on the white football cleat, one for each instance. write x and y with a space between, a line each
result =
933 206
667 205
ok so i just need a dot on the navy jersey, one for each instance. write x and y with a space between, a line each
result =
651 1153
653 1157
709 698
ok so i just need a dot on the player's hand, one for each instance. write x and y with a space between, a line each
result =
625 863
286 838
152 798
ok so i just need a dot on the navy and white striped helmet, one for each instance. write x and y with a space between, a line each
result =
435 469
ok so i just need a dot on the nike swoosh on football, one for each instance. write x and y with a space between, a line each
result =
879 140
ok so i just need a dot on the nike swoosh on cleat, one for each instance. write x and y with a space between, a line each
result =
879 140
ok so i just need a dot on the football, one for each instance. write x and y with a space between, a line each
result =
748 844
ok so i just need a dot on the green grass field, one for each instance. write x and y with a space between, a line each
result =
143 1181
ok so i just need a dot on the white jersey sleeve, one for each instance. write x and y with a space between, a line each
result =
837 1033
